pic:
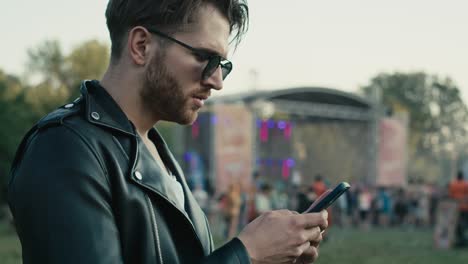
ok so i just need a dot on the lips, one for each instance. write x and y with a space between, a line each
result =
200 100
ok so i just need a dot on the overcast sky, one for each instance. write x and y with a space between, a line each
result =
336 44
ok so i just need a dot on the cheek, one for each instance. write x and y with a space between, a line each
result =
185 68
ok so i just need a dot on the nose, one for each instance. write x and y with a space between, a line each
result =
215 81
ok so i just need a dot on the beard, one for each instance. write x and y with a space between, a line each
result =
163 97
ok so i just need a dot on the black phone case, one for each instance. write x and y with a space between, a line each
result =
326 199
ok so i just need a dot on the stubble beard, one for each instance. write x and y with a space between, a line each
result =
163 96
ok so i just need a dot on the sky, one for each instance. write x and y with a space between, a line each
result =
339 44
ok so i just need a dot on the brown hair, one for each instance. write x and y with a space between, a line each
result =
168 15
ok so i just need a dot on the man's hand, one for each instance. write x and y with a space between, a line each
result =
310 254
284 236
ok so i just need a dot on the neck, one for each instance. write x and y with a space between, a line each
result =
124 87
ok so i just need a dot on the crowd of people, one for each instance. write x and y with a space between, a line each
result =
363 206
458 191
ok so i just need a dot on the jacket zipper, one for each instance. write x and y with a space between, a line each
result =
156 232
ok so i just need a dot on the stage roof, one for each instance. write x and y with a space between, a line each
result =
316 95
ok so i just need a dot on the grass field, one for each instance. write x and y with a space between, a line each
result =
390 246
344 246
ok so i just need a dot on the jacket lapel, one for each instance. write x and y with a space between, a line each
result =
149 174
195 213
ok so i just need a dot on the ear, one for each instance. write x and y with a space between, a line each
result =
139 40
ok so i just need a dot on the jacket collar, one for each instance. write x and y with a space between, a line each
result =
101 109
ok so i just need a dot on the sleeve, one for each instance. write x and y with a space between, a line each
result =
60 199
233 252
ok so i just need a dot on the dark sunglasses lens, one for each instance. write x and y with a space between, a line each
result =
211 67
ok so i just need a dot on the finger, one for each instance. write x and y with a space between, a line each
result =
325 217
317 242
299 251
304 247
312 220
313 234
285 212
309 255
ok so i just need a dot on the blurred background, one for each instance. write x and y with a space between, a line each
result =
368 92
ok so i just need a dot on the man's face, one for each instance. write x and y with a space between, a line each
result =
174 89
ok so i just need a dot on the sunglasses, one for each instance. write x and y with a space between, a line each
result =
214 60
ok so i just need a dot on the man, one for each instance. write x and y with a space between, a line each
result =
94 182
458 190
319 185
383 206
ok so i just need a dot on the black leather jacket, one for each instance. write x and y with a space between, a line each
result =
84 189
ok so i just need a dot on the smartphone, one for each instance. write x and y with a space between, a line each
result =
327 198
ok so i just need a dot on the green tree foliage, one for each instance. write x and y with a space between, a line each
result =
438 118
87 61
15 120
43 98
56 79
58 71
47 63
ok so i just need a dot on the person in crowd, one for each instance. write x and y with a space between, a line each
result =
350 198
263 202
434 197
251 208
413 207
340 211
244 205
279 198
424 200
258 179
384 207
232 206
400 208
458 190
319 185
94 181
364 206
353 208
304 195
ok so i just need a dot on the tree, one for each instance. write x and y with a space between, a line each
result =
438 116
16 118
87 61
58 77
58 71
48 63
